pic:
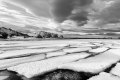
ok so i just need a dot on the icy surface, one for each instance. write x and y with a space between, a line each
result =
116 70
105 76
39 67
98 50
94 64
32 58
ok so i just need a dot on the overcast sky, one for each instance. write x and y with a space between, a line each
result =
82 16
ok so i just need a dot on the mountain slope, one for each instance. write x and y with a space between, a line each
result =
5 32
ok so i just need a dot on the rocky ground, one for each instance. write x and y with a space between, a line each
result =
60 60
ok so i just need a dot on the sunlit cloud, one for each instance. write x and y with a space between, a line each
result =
53 25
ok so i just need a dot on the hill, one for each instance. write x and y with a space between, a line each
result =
44 34
8 32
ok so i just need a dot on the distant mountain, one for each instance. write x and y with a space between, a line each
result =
8 32
44 34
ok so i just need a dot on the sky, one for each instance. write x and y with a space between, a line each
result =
73 16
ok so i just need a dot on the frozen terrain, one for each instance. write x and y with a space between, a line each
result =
29 59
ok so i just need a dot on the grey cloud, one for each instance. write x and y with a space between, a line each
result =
80 18
62 10
13 7
6 16
87 30
109 15
32 27
37 7
101 30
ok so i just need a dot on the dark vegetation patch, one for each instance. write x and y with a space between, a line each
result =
53 75
11 75
64 75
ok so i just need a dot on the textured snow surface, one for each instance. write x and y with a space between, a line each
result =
15 61
39 67
116 70
58 53
71 50
33 58
94 64
105 76
98 50
115 51
25 52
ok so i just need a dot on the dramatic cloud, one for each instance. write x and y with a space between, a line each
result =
36 7
25 12
61 9
80 18
76 10
109 15
86 16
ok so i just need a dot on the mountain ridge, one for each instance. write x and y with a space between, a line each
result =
8 32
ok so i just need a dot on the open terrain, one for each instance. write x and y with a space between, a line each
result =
70 59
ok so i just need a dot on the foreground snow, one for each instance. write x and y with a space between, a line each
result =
33 58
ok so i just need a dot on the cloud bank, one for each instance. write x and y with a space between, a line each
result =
77 10
100 14
86 16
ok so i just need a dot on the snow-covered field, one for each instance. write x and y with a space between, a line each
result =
34 58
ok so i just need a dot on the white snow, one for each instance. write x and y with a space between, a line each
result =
116 70
14 53
115 51
104 76
98 50
71 50
58 53
94 64
39 67
5 63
